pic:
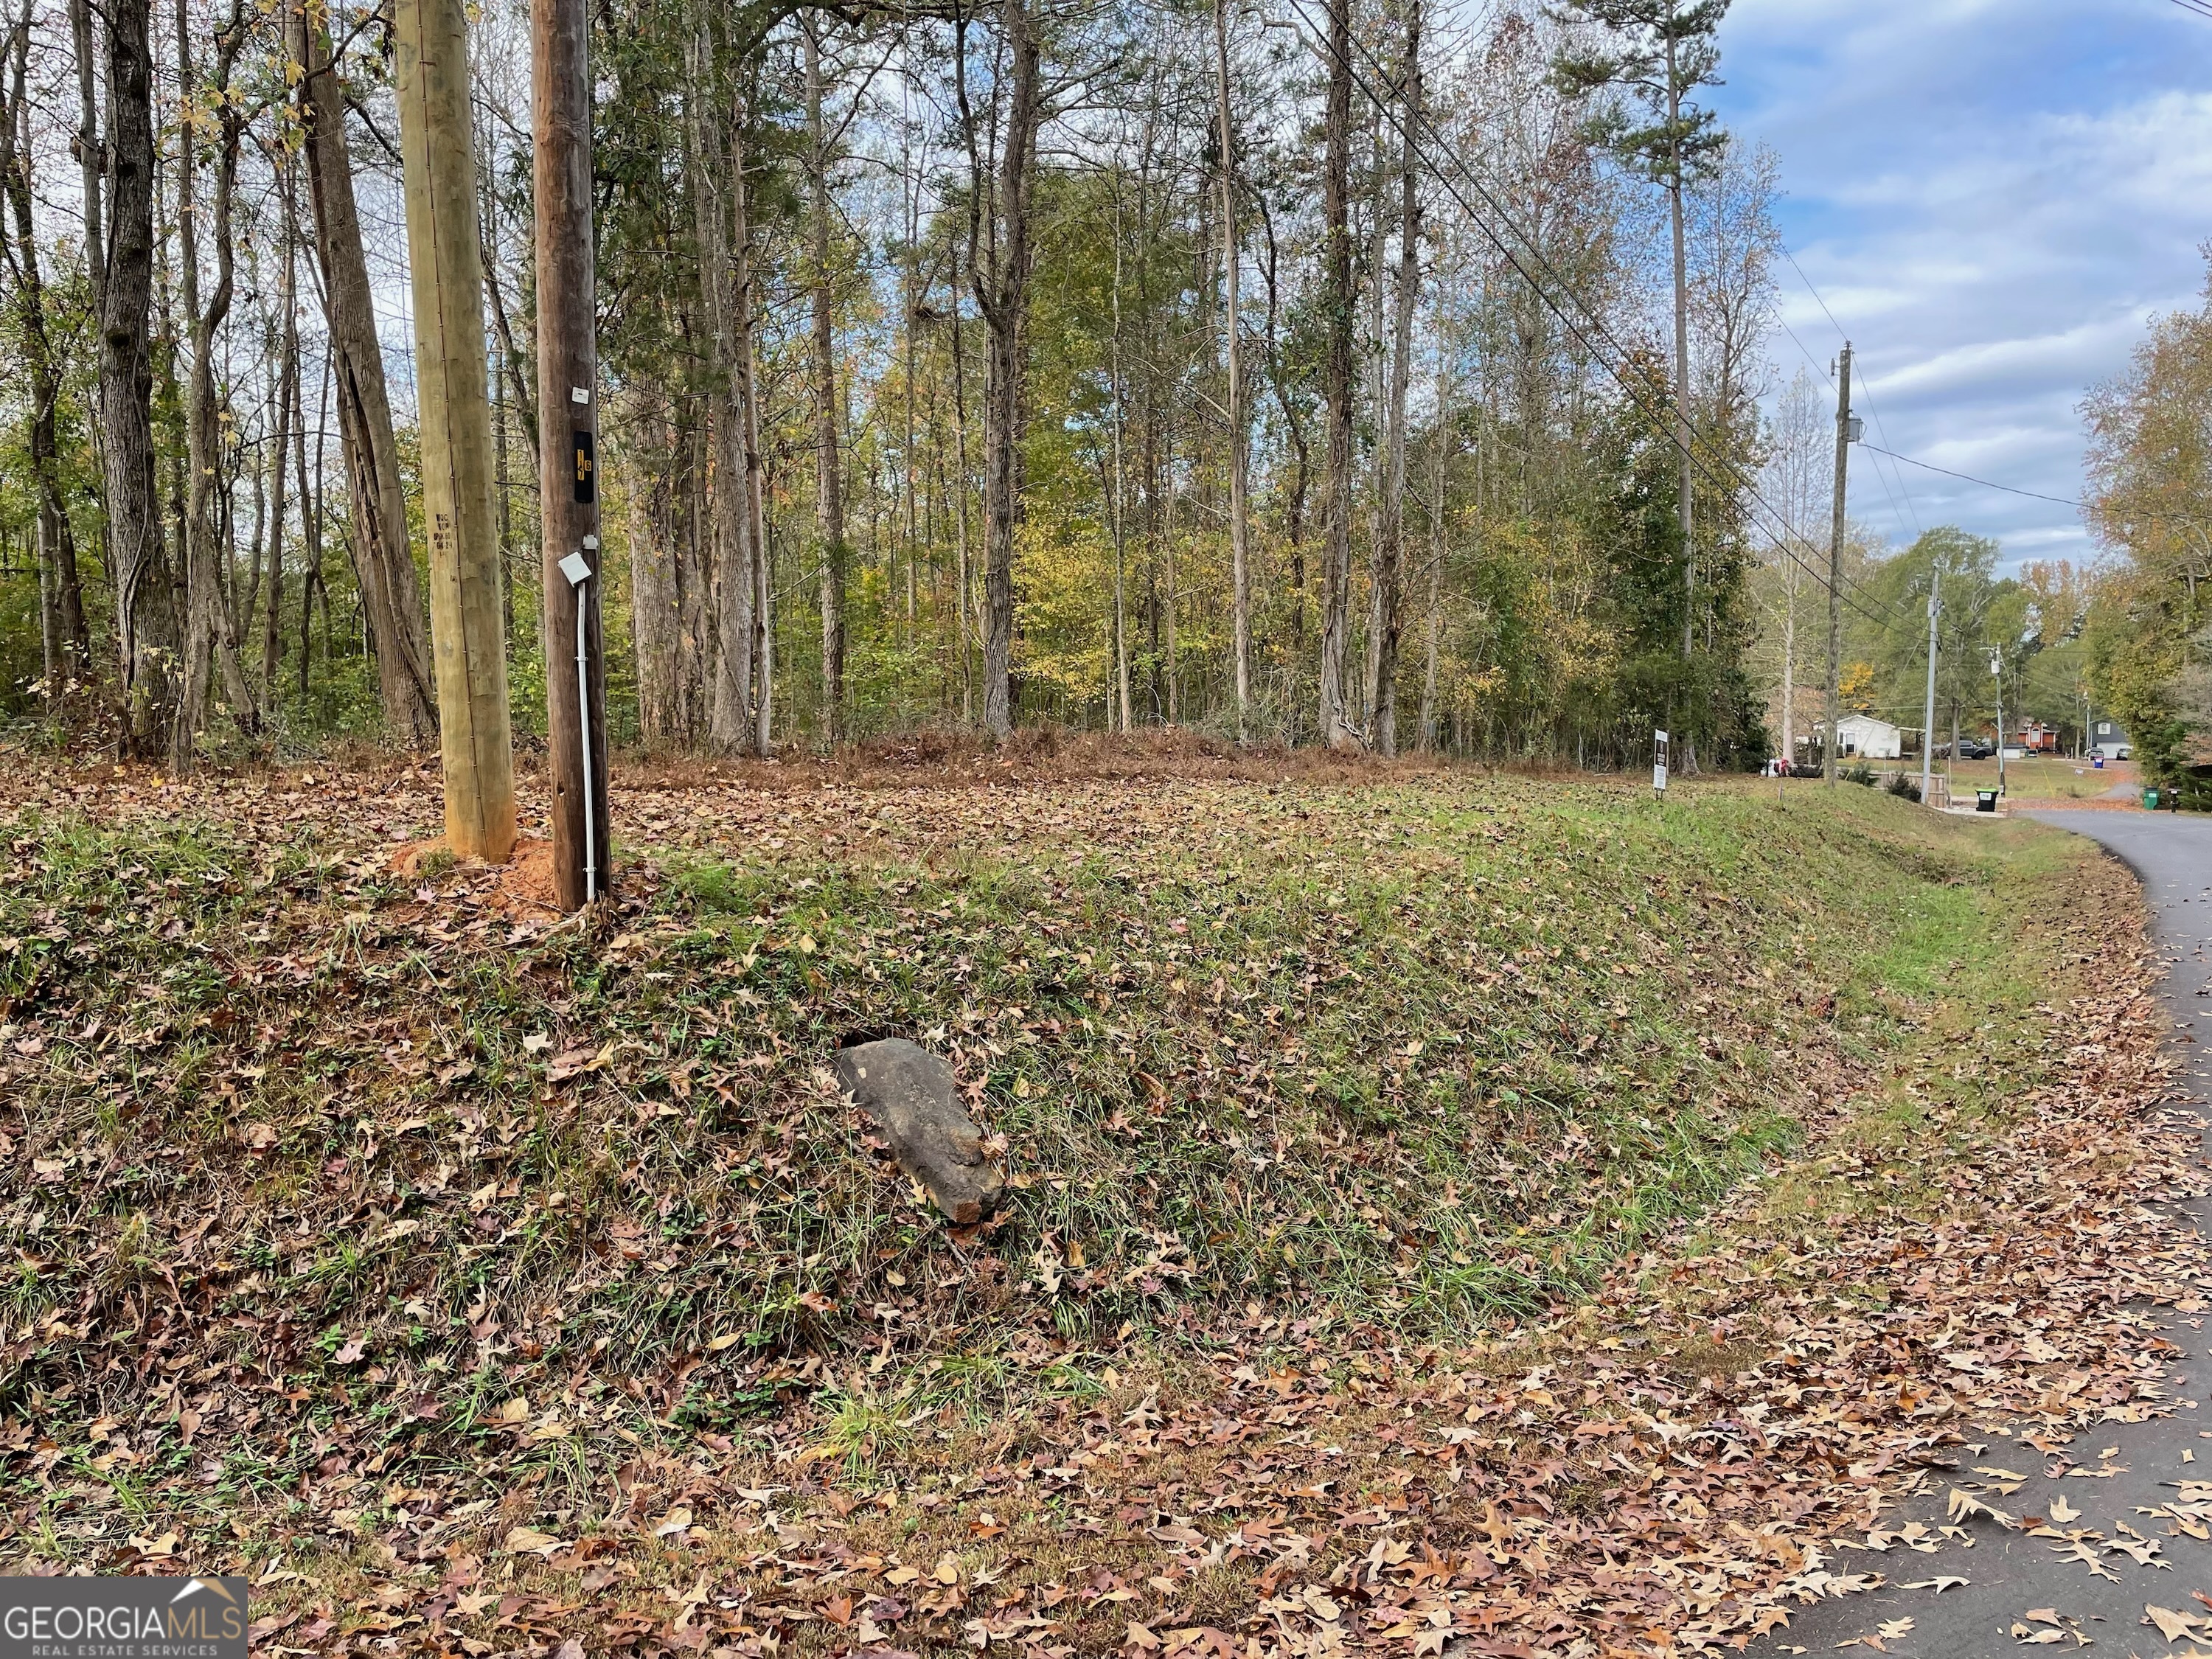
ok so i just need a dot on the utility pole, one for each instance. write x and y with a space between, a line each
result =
445 270
1928 719
568 449
1996 674
1836 567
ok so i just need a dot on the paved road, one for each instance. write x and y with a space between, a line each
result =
2009 1574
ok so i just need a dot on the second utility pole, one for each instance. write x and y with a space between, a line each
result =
568 449
1928 719
445 261
1836 569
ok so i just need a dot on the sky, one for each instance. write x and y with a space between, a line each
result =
1992 198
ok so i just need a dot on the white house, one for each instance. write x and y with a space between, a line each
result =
2108 739
1870 739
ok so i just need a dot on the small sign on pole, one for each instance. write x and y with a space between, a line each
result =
1659 762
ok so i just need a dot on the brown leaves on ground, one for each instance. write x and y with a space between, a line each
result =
1667 1467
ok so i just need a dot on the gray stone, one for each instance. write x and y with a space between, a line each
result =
908 1092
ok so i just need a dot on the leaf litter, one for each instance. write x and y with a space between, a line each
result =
1665 1457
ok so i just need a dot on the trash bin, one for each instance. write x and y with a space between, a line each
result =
1985 800
2150 800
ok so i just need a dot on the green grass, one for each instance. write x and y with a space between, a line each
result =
2043 777
1430 1054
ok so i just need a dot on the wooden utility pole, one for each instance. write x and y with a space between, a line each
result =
1684 491
1927 717
445 267
1836 567
567 447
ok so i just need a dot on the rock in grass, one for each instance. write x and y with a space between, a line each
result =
908 1092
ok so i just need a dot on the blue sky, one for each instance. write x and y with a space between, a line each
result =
1993 196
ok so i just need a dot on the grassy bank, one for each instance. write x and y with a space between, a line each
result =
306 1161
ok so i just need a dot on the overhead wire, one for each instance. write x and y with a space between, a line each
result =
1866 381
1828 374
1986 484
1738 483
1782 542
2036 494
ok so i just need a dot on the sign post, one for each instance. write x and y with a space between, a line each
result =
1659 763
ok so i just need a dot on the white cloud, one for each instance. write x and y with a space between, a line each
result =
1991 196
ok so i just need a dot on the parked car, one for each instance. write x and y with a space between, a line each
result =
1969 749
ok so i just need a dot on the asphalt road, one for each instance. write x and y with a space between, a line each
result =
2110 1473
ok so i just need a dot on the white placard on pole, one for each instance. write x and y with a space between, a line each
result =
1659 762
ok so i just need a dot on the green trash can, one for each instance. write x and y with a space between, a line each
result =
2150 800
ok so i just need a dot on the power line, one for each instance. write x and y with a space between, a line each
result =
1986 484
1805 351
1740 483
2197 6
1911 507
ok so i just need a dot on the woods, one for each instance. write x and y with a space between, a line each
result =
1332 378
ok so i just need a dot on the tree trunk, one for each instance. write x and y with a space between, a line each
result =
210 643
92 160
1387 621
964 599
1171 608
753 477
1240 602
1118 501
1428 729
1294 509
311 514
829 470
1337 301
384 567
656 607
62 610
730 708
145 613
1002 292
288 381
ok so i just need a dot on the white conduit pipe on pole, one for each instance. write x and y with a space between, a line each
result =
578 572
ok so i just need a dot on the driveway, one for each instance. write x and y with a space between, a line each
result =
2109 1474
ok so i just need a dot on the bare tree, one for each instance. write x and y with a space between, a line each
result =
828 471
66 640
728 338
1387 622
145 630
1000 256
384 569
210 640
1240 557
1337 301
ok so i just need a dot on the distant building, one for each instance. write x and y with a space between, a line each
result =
2109 739
1869 738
